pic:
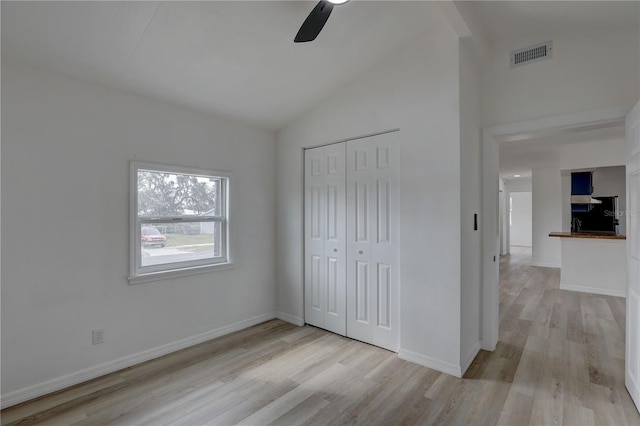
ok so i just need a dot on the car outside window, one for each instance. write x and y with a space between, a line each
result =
179 221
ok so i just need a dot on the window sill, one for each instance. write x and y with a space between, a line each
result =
176 273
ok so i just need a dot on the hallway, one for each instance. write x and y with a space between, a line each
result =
562 351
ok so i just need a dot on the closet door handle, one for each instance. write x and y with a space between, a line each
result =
360 252
335 250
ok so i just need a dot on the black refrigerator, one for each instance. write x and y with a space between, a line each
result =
600 217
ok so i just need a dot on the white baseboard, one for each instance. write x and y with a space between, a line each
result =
594 290
30 392
435 364
472 355
631 382
633 388
545 264
290 318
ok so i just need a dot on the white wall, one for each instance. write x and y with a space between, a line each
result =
547 216
605 153
522 184
594 266
521 219
508 186
565 188
417 91
588 71
470 204
65 199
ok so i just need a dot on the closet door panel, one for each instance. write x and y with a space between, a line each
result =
325 273
359 297
372 241
335 239
314 237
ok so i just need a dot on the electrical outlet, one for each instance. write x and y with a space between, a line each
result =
97 336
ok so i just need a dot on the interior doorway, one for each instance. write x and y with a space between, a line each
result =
509 134
520 219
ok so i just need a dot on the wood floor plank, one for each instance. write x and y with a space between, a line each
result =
516 410
578 415
48 402
530 367
559 360
549 402
489 404
575 330
303 411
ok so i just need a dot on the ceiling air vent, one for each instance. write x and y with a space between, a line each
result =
531 54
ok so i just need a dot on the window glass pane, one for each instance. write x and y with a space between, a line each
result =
162 194
164 243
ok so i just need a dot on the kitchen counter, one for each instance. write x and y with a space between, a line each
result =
593 263
603 236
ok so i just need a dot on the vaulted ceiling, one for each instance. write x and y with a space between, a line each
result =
233 58
237 58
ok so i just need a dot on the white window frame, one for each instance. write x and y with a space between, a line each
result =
139 273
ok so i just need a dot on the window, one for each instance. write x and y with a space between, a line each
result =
179 221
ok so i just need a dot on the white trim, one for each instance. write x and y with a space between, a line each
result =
594 290
633 388
490 233
25 394
292 319
435 364
177 273
545 264
632 333
353 138
472 355
560 124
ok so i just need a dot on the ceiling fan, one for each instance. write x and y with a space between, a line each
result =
312 26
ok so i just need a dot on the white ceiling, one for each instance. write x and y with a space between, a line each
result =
237 58
233 58
526 19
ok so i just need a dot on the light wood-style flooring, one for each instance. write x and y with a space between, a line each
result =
560 360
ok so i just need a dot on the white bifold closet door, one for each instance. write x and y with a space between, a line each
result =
372 241
325 227
351 239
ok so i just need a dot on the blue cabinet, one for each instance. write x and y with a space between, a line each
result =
581 183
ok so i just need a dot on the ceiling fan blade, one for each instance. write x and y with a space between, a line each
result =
314 22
